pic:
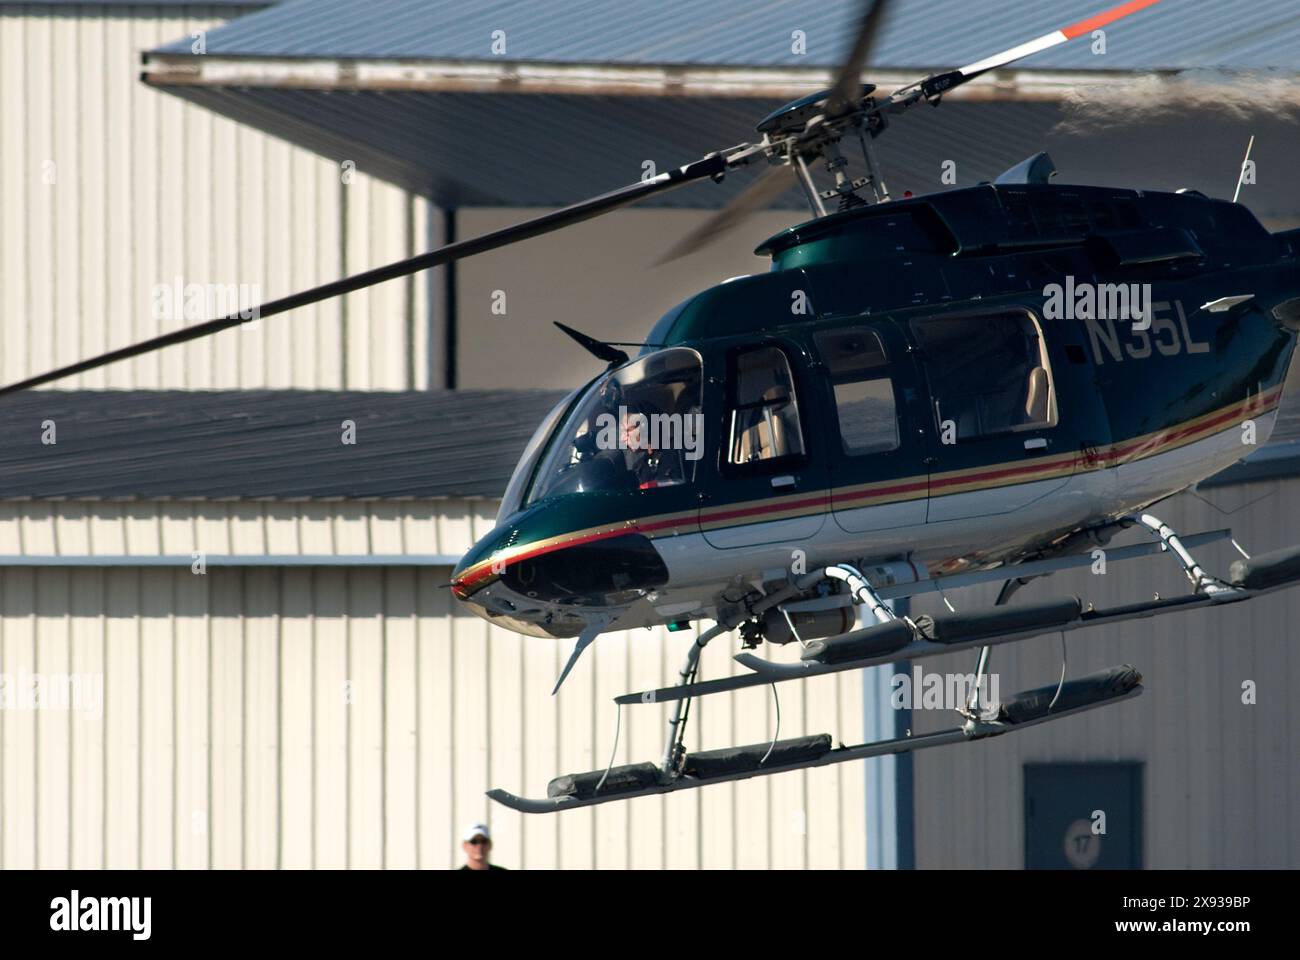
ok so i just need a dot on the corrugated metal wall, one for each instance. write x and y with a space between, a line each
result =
342 528
337 717
1221 778
112 188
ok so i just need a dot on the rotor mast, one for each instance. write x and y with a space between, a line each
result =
792 138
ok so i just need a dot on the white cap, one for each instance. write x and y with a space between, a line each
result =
476 830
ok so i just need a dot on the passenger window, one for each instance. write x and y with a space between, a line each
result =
988 374
864 394
764 412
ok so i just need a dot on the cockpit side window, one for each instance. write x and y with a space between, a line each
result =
637 428
864 395
764 416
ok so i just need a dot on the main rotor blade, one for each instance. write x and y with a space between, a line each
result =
943 82
710 166
769 185
848 82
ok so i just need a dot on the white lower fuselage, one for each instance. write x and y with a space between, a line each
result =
939 535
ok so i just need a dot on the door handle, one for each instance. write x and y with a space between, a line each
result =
1036 443
786 481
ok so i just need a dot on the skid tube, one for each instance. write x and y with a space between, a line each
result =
742 763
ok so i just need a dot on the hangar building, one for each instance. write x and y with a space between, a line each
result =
313 698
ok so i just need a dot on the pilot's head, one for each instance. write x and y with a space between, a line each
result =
632 428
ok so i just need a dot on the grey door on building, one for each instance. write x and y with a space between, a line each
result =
1083 816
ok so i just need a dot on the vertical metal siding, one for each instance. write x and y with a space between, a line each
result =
353 718
336 717
147 188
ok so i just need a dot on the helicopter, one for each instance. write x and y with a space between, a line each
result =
980 385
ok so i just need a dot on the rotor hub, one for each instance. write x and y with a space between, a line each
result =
793 118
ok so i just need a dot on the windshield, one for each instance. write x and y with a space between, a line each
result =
639 427
524 469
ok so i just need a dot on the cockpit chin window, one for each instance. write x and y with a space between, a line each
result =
637 428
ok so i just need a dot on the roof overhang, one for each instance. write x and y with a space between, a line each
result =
544 135
407 91
648 80
540 133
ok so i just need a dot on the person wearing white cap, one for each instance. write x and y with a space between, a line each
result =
477 844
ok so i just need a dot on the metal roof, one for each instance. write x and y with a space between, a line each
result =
287 444
1175 34
274 444
552 147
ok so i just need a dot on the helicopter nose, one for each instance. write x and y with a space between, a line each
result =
601 572
502 604
550 587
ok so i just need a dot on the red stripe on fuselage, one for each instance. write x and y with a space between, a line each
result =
765 508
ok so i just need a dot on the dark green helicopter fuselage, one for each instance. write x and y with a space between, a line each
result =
1112 415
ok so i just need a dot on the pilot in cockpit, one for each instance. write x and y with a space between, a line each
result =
643 461
617 442
636 429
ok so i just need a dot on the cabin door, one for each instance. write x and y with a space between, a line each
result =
992 413
876 445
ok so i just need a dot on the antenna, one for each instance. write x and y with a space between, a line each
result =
1241 176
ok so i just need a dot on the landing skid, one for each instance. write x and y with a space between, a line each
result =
893 639
742 763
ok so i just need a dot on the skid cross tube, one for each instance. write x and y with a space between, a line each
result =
1201 581
861 590
1023 571
973 705
675 748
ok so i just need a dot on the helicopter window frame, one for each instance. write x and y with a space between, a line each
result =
569 427
521 480
761 465
1035 325
881 371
